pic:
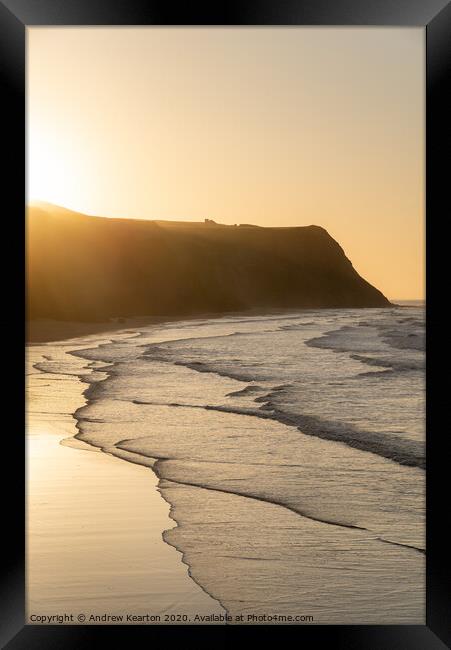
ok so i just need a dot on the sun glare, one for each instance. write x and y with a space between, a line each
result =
48 167
43 169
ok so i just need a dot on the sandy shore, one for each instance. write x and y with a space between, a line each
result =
94 523
46 330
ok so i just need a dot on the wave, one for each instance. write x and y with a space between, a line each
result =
242 479
378 350
399 334
398 448
401 451
158 468
391 363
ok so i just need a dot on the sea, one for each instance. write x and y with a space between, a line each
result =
289 446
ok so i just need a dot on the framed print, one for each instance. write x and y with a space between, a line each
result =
233 419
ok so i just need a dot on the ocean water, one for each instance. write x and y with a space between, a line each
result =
290 447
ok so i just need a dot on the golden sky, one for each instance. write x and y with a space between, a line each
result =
271 126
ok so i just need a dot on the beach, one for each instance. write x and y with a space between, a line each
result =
289 506
94 522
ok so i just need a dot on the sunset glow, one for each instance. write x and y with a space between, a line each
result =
271 126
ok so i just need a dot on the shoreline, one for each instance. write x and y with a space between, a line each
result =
193 500
50 330
113 510
201 498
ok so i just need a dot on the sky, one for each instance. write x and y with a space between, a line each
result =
272 126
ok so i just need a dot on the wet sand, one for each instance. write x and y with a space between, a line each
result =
95 523
47 330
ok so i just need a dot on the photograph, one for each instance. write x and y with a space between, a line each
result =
225 325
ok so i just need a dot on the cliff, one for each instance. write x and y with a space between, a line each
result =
92 268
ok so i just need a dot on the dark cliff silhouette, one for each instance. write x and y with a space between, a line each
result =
92 268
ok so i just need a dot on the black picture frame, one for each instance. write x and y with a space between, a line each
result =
435 17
